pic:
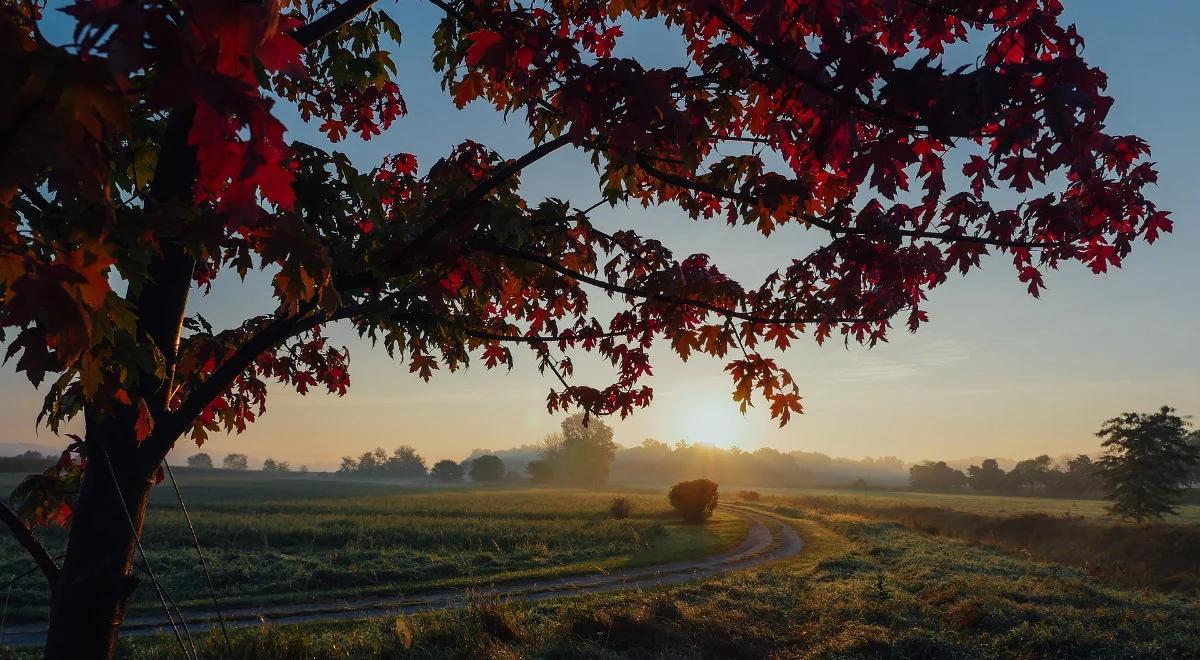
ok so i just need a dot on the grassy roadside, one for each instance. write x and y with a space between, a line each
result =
1161 556
971 502
863 588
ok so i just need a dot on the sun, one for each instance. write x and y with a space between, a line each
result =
714 421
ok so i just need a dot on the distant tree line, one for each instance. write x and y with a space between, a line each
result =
403 463
1079 477
656 462
27 461
1150 460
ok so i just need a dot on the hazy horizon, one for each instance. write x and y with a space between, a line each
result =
995 372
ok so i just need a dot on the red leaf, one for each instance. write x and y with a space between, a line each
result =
282 53
481 41
145 422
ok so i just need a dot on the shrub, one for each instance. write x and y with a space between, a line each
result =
488 467
749 495
694 500
620 508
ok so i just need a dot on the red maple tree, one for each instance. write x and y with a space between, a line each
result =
145 159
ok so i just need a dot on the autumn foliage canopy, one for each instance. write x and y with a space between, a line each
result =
147 157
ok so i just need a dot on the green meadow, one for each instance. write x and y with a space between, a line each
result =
285 539
862 588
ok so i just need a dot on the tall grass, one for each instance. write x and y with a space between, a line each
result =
864 588
1160 556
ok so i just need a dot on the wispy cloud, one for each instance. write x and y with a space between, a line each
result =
881 364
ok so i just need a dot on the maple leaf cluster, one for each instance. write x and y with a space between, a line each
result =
149 151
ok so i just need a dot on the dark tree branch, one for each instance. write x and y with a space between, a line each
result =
777 58
280 329
318 29
451 12
700 186
836 230
31 544
508 170
583 335
946 11
36 198
658 297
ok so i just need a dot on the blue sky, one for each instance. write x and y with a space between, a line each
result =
995 372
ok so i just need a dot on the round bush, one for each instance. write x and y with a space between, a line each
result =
694 500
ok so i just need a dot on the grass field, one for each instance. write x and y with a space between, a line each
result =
286 539
876 579
862 588
985 504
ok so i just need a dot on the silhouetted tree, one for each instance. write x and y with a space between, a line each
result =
348 466
487 468
541 470
1031 475
405 463
986 477
1081 478
1148 463
368 463
447 470
581 455
694 500
1194 473
271 465
200 461
935 476
235 462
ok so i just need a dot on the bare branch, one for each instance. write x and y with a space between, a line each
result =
31 544
313 32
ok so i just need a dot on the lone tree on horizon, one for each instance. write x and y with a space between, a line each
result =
200 461
447 471
488 467
1148 463
146 159
235 462
581 455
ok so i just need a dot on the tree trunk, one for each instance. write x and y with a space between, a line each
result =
97 576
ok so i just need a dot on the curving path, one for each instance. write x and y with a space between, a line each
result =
767 540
